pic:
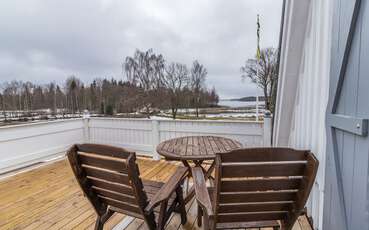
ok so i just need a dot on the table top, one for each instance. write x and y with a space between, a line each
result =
196 147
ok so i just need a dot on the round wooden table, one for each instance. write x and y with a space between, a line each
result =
196 149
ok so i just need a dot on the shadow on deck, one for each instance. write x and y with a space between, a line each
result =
48 197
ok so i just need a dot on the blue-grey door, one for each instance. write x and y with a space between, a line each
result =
346 198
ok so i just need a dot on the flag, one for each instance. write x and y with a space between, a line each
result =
258 38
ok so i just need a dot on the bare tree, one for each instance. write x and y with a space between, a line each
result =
60 98
38 98
145 70
51 97
197 82
10 93
175 80
151 86
213 97
263 73
27 89
2 101
73 86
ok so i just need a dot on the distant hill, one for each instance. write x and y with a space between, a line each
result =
250 98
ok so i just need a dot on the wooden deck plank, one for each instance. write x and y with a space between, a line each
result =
87 223
53 219
48 197
22 184
136 224
17 201
34 209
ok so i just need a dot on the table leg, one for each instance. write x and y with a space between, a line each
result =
187 182
210 170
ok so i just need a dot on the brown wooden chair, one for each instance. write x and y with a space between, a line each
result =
256 187
109 177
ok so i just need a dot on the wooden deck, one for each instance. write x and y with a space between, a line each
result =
48 197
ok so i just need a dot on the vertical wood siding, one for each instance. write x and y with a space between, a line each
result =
346 202
308 121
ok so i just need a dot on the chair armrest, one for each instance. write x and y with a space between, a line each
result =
168 188
201 191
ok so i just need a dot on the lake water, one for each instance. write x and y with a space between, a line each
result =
235 104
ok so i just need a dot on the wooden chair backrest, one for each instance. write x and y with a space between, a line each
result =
260 184
109 176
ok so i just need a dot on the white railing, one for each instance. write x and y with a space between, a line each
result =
22 145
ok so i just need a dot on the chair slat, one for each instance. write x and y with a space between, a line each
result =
103 150
105 162
263 170
261 184
128 213
254 207
257 196
252 224
119 204
116 187
114 195
264 154
251 216
106 175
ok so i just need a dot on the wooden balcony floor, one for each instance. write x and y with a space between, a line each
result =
48 197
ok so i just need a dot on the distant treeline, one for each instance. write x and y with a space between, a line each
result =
250 98
150 85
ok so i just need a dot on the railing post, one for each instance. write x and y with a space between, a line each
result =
267 134
86 126
155 138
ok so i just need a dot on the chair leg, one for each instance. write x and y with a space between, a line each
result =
100 221
162 215
150 221
199 216
181 205
106 216
99 224
207 224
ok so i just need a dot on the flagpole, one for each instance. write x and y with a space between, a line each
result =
257 98
257 62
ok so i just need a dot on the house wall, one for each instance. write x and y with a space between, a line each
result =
347 175
301 105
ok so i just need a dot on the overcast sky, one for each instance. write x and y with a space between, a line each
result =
43 41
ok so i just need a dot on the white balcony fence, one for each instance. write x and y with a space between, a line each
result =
23 145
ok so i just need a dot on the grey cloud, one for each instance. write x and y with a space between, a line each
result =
46 41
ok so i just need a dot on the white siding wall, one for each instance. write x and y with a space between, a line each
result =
308 118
